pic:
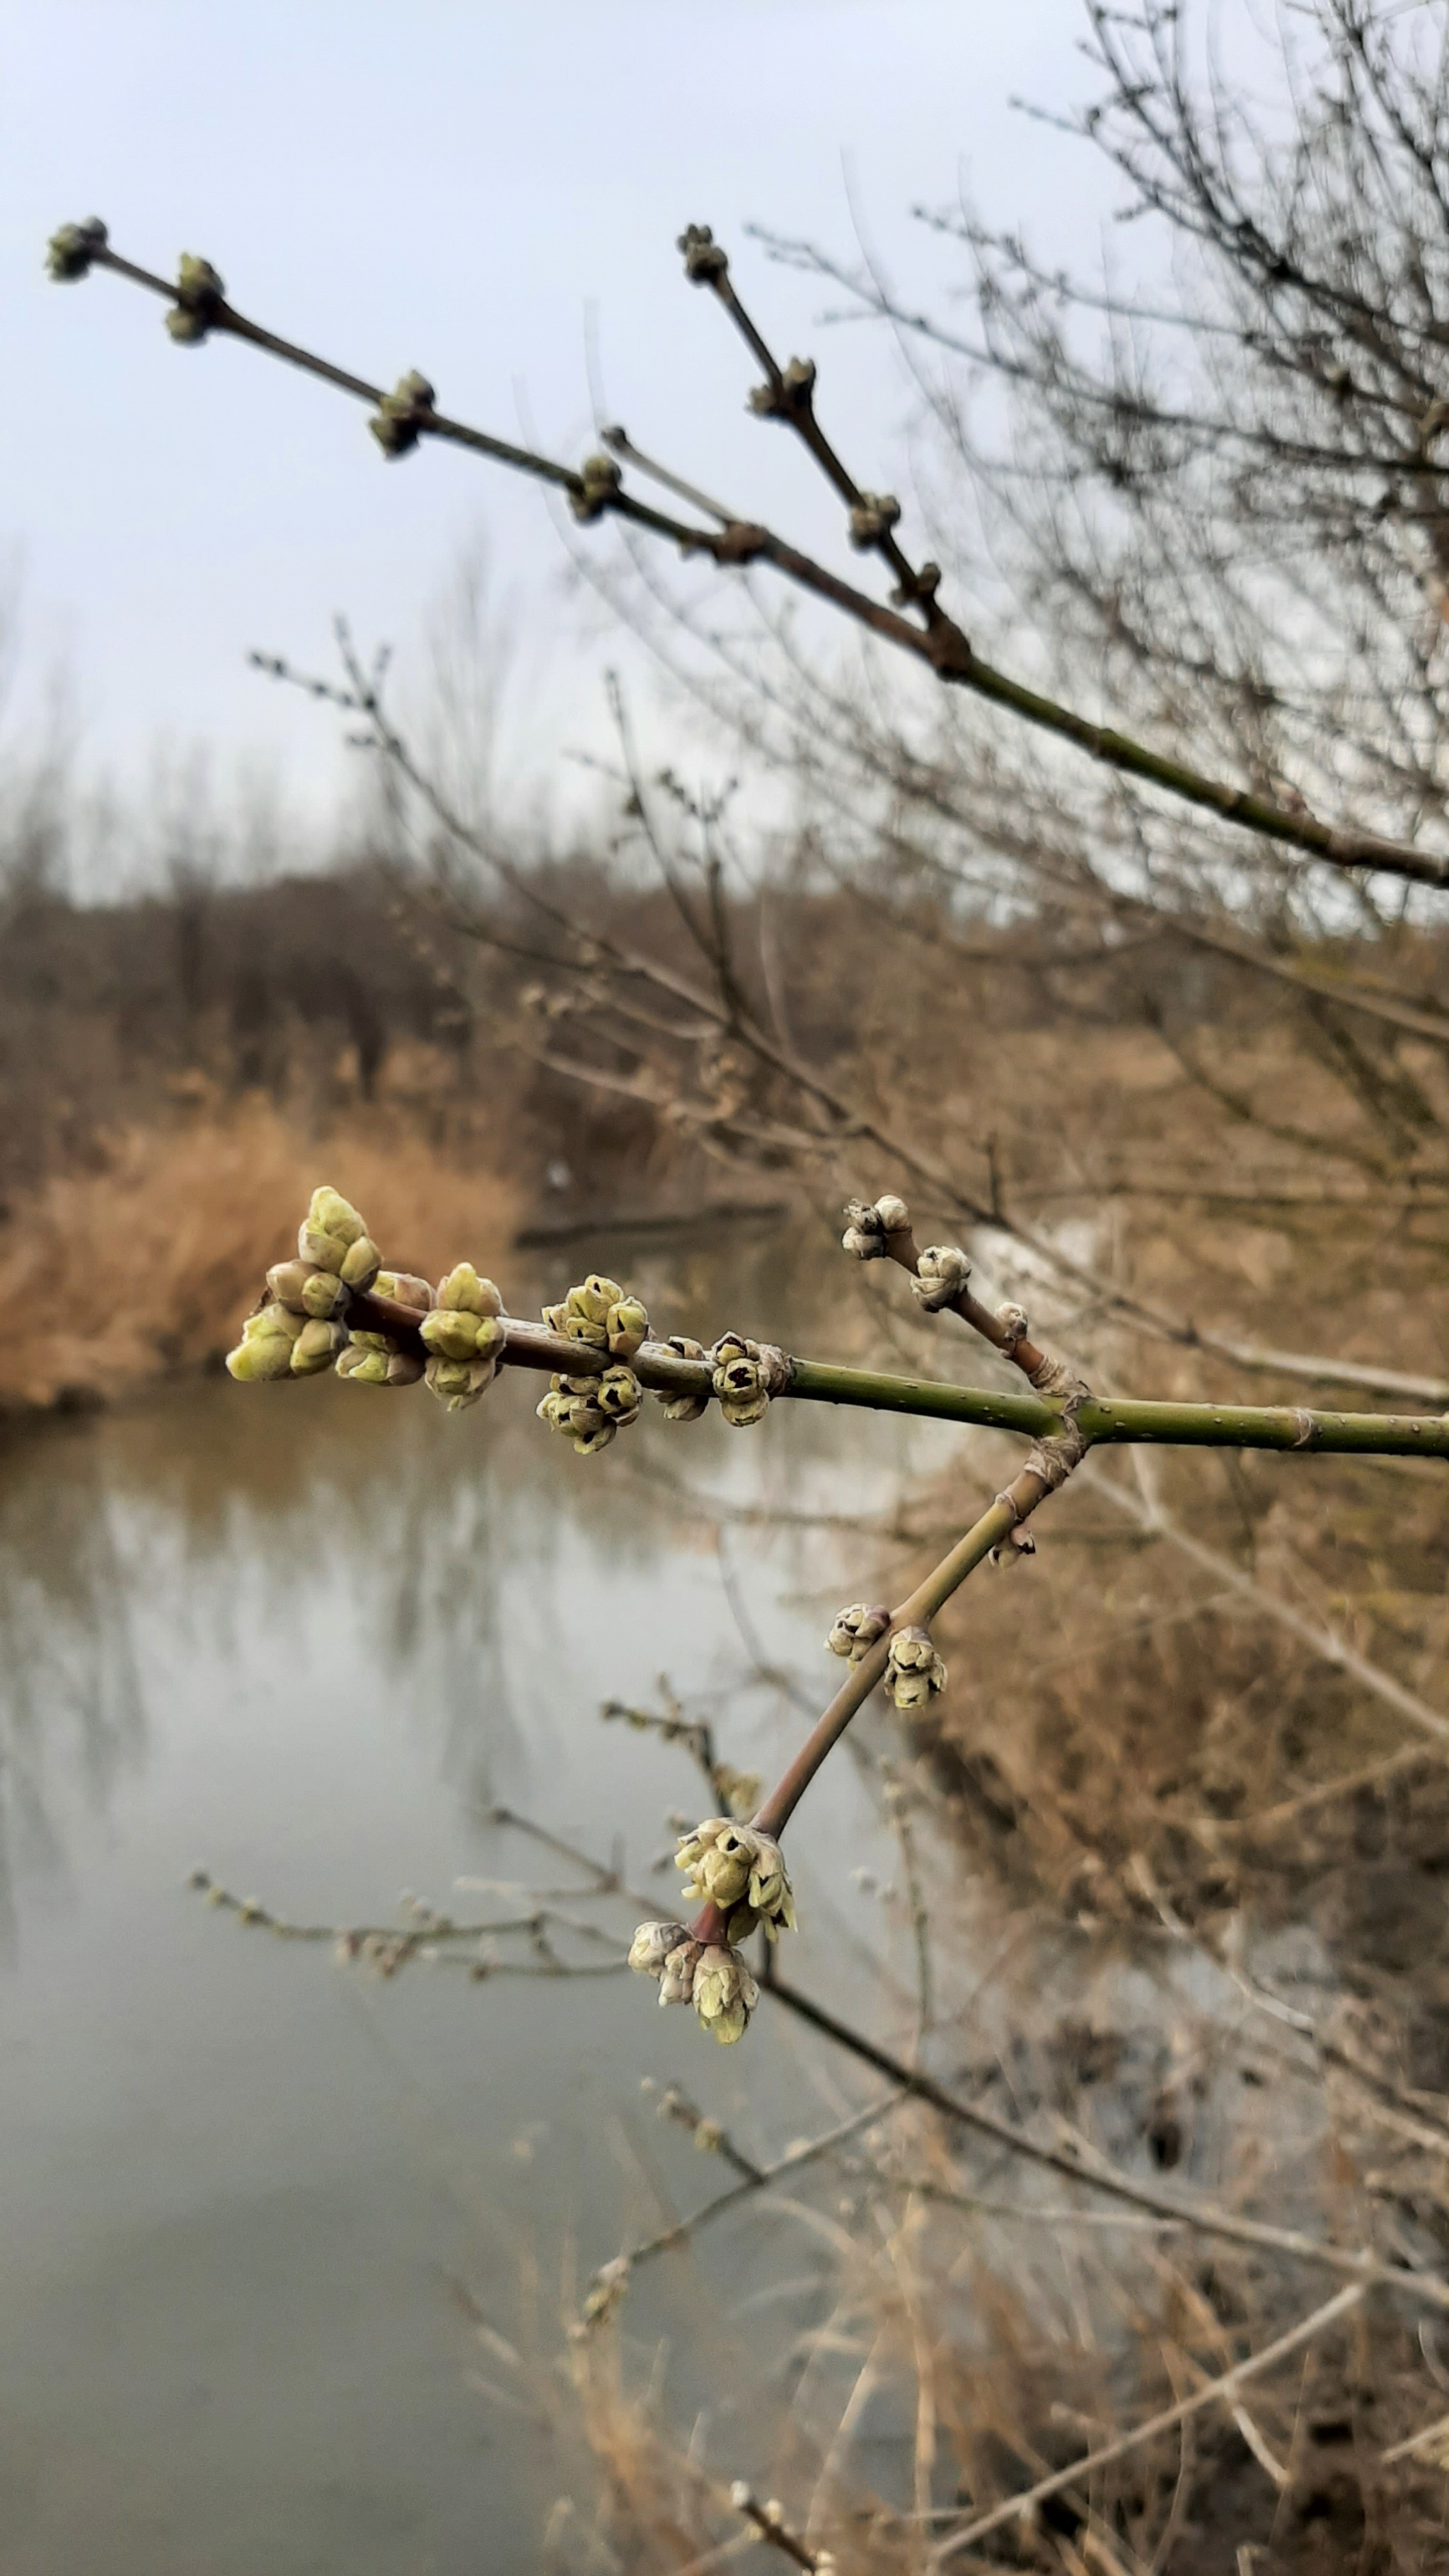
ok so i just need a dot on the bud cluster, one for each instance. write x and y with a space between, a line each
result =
738 1870
307 1320
591 1408
867 1226
741 1380
463 1335
709 1975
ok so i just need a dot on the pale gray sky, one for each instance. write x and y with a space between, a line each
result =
450 187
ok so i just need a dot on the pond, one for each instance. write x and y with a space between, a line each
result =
255 2205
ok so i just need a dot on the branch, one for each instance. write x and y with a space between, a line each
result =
598 949
1102 1421
595 492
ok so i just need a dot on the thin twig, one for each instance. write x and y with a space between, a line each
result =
1219 2390
940 643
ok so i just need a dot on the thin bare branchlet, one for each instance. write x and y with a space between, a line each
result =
401 420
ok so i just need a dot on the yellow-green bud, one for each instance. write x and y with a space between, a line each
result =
739 1381
915 1672
457 1334
361 1263
733 1865
570 1406
857 1629
307 1290
373 1359
265 1348
464 1293
725 1994
404 1289
627 1326
317 1346
619 1396
364 1362
459 1383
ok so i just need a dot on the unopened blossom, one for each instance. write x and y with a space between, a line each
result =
733 1866
915 1672
858 1628
725 1994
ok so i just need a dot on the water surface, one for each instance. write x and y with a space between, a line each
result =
253 2204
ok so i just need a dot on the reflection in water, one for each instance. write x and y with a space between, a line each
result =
306 1635
70 1702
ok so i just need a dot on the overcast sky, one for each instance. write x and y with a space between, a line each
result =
454 187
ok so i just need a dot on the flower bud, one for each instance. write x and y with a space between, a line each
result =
457 1333
915 1672
739 1381
651 1946
857 1629
403 1289
317 1346
459 1383
676 1979
265 1348
724 1995
373 1359
627 1326
329 1229
941 1274
730 1865
361 1263
619 1396
466 1294
364 1361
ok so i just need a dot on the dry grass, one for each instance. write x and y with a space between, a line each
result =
146 1266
